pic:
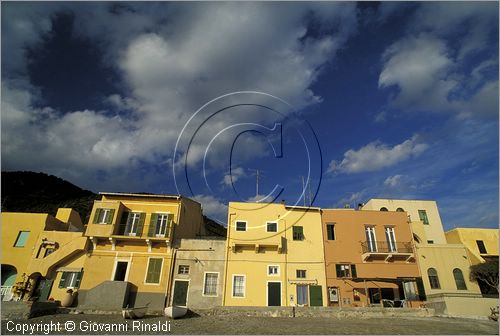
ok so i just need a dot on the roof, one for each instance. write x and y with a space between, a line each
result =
139 195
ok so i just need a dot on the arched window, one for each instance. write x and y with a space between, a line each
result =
400 210
459 279
433 278
383 209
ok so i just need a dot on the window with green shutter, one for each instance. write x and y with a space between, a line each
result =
154 270
70 279
422 214
103 216
298 233
21 239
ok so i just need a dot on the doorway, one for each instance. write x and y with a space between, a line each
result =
180 293
274 293
121 271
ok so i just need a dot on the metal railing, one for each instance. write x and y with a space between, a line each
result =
385 247
6 293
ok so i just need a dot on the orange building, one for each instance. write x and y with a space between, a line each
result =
369 258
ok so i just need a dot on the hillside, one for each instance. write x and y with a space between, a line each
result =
25 191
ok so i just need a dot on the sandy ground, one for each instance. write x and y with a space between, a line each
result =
98 324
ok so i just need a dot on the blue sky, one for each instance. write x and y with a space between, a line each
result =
387 100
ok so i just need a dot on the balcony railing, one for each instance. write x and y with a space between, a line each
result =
143 232
6 293
385 247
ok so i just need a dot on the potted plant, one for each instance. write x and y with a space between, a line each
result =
67 301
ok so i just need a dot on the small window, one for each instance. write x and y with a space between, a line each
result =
459 279
183 269
343 270
22 237
238 286
422 214
273 270
481 247
430 242
272 227
400 210
154 270
433 278
70 279
301 274
383 209
48 251
298 233
241 226
210 286
330 230
103 216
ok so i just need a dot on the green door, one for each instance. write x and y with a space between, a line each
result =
316 296
180 293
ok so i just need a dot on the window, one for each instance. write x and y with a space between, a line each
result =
301 274
238 286
48 251
430 242
330 230
371 240
272 227
241 226
400 210
154 270
302 295
159 225
134 223
346 271
70 279
391 239
481 247
21 239
459 279
383 209
298 233
103 216
183 269
210 285
121 271
433 278
273 270
423 216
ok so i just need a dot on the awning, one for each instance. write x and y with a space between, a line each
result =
393 280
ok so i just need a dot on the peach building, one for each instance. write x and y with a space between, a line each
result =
369 258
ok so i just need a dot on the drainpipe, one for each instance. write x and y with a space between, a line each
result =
171 278
227 258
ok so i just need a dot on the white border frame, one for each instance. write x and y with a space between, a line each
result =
147 269
371 226
244 221
127 272
392 227
244 286
216 288
267 293
187 292
161 213
183 274
273 275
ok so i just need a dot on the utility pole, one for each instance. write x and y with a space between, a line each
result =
257 177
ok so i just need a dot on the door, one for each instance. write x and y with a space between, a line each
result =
391 239
371 239
274 293
44 288
180 293
316 296
121 271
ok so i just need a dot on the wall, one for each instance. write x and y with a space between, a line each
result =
201 255
444 259
468 237
250 253
462 306
433 231
347 249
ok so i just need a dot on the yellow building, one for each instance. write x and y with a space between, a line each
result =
130 255
34 245
481 244
274 256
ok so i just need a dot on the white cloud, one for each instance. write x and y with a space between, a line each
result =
376 156
393 181
236 174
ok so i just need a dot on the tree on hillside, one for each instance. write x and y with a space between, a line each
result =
487 273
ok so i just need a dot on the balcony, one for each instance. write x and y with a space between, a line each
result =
388 252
